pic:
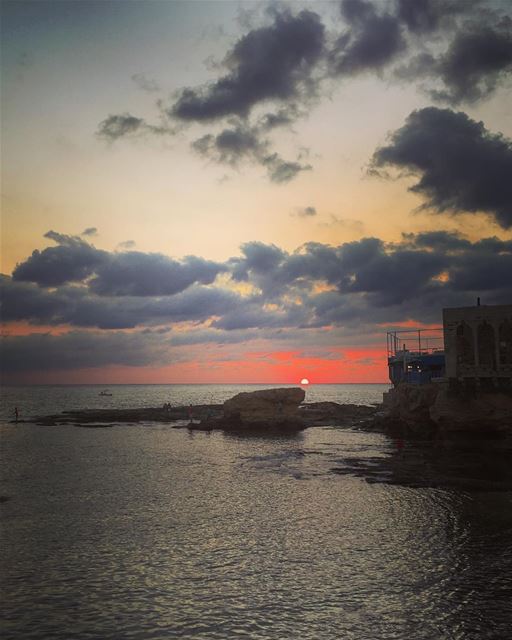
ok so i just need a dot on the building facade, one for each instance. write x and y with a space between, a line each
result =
478 342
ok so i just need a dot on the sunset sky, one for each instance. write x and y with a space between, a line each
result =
247 191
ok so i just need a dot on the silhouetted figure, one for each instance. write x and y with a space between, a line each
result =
16 414
190 414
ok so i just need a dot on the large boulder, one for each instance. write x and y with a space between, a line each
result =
443 410
482 412
410 404
268 409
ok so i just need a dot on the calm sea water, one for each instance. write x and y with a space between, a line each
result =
150 532
48 399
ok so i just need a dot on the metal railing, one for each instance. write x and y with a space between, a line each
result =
417 341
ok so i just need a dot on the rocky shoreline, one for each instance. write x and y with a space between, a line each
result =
268 411
446 411
412 411
205 417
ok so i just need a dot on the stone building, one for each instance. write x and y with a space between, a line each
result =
478 342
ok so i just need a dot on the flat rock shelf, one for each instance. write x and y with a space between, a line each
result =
203 416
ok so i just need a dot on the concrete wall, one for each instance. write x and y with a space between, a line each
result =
478 341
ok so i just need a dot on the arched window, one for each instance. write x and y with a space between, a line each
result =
486 346
464 345
505 340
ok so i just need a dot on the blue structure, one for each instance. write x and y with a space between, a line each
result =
415 356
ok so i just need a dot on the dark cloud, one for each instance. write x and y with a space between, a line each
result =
282 171
252 316
232 145
77 306
477 39
204 336
477 54
72 260
270 63
485 268
462 167
355 288
372 41
24 301
283 117
90 231
117 126
129 273
369 277
258 258
457 51
78 350
476 61
440 240
242 142
354 267
133 273
425 16
131 289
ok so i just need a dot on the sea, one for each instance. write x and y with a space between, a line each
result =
147 531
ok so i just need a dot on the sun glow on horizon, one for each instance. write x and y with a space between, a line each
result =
304 381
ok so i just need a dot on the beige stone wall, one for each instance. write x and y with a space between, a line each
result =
478 341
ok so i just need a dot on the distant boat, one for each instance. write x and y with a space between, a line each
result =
106 392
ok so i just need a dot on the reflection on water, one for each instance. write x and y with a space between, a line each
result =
465 462
150 532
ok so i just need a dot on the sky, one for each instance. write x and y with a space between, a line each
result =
247 191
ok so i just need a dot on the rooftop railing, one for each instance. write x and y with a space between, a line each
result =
415 341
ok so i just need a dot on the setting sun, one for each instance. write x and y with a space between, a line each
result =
304 381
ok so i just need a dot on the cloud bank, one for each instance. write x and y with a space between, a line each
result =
314 293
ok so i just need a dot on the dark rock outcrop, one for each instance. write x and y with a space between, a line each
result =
267 409
263 411
481 412
129 416
332 413
440 410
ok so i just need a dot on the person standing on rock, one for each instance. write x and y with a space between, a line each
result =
16 414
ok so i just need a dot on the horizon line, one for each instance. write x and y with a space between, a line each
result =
155 384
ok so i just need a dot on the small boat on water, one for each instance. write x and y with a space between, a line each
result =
105 392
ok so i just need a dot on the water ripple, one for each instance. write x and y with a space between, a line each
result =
152 534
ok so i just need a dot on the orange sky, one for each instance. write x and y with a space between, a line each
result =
365 365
